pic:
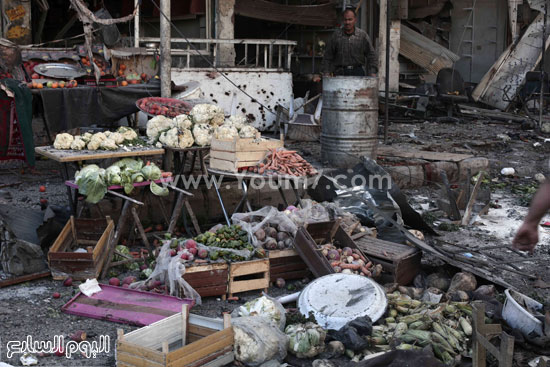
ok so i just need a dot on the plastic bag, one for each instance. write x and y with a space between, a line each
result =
253 221
351 334
264 306
222 252
258 340
169 270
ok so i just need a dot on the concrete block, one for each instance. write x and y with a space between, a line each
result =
475 165
433 171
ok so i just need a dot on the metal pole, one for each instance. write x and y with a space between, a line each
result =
165 49
541 101
387 88
136 25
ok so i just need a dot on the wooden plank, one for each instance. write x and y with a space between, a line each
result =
471 202
24 278
421 154
455 213
247 285
248 267
245 145
226 359
85 155
56 247
508 73
282 253
72 256
139 351
152 336
203 268
239 156
136 361
102 242
200 330
201 348
424 52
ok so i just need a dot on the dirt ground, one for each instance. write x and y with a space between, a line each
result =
28 309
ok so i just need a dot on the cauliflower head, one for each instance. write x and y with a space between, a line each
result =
128 134
78 143
86 137
108 144
63 141
202 134
117 137
158 124
238 121
182 122
95 141
248 131
169 137
185 138
226 132
207 114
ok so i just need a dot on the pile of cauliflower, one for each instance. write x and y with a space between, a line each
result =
107 140
203 122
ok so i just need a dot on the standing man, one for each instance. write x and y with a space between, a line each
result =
349 51
527 235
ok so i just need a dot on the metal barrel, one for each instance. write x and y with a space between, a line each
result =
349 120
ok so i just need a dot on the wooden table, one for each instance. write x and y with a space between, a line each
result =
246 178
64 157
179 157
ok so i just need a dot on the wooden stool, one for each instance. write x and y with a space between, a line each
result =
480 342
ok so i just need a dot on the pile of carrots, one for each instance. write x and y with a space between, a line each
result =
286 162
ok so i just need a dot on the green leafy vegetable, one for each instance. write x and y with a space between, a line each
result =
112 174
91 183
158 190
151 172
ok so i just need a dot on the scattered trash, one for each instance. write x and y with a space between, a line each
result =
508 171
90 287
28 360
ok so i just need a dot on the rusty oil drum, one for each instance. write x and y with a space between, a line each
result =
349 120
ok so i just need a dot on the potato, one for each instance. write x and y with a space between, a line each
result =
270 244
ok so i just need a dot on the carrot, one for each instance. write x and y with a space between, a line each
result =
232 298
200 261
368 265
335 263
166 174
356 256
148 229
350 266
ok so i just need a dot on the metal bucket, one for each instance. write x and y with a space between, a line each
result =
349 120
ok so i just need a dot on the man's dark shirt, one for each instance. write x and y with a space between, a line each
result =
349 50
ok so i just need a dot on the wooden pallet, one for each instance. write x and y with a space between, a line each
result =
248 275
209 279
482 333
287 264
94 235
174 341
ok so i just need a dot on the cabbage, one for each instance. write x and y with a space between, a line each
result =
91 183
112 174
151 172
158 190
129 163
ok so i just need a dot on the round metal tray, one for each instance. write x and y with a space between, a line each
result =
60 71
185 107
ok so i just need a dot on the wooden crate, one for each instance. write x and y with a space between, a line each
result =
230 155
287 264
306 245
176 341
94 235
208 279
248 275
402 262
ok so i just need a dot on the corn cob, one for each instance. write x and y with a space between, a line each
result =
465 325
400 329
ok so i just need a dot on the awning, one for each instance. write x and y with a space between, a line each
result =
315 15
